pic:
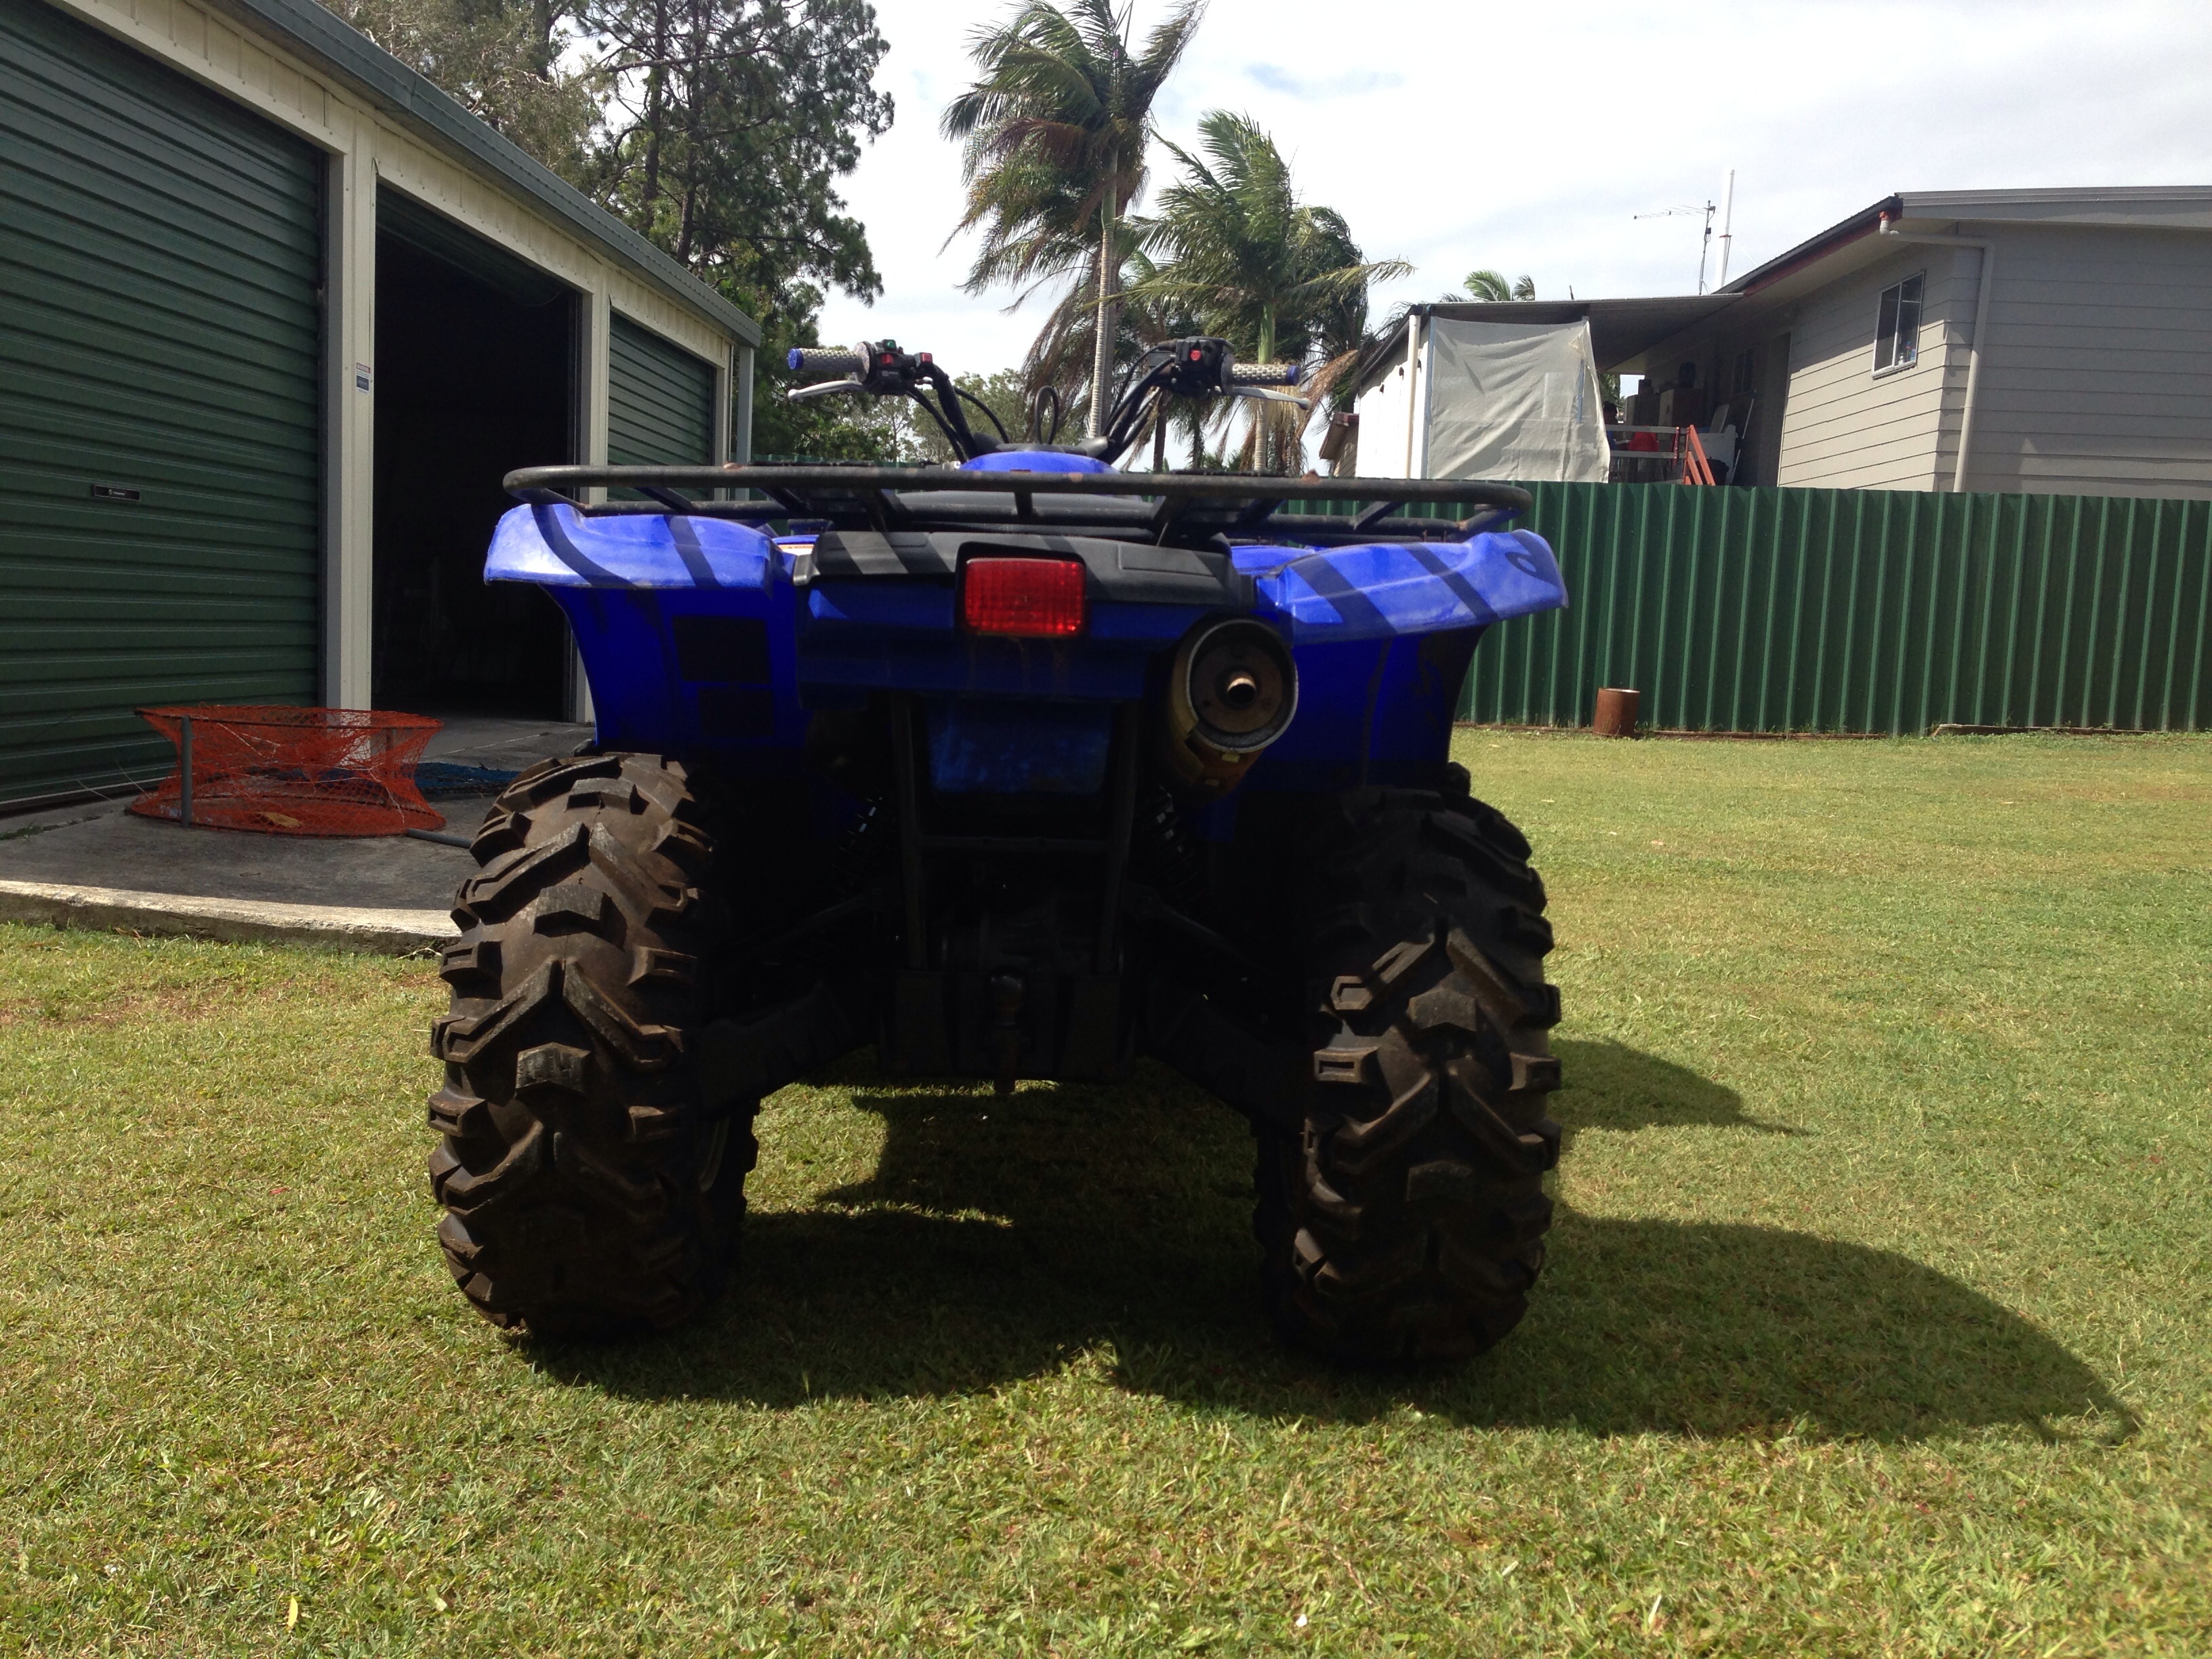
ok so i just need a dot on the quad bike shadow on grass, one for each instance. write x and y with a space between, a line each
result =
1003 1239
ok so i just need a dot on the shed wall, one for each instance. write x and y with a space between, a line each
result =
1385 411
366 148
161 350
660 401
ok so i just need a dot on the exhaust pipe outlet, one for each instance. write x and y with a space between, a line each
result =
1232 689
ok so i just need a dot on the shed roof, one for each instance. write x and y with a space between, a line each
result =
326 40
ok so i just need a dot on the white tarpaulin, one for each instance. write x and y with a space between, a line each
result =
1514 400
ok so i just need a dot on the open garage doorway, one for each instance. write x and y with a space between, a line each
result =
475 376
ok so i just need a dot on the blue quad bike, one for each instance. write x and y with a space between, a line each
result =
1023 767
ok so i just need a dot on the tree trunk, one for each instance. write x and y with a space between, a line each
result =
1267 422
541 33
656 94
1101 350
691 97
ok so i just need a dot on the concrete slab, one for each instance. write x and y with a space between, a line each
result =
377 932
120 849
153 876
508 744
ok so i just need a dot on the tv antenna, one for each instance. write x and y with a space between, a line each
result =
1704 247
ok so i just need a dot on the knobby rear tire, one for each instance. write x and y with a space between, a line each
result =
588 1189
1405 1222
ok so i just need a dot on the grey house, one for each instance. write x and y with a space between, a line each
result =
2045 341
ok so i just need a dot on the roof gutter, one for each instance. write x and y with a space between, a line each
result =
1974 343
1853 230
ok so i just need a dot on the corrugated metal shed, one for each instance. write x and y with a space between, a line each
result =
661 401
160 251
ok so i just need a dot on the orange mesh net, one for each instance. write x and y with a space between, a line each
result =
292 771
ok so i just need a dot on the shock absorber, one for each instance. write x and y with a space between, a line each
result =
863 851
1167 853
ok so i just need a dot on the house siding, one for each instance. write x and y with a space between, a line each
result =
1846 428
2097 376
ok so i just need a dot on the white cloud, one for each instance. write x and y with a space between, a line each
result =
1526 138
1273 79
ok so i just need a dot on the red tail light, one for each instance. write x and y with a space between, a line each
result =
1023 598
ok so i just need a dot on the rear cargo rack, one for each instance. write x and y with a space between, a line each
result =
1153 507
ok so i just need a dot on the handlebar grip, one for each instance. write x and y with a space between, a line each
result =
824 360
1263 374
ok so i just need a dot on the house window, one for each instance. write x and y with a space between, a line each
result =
1897 325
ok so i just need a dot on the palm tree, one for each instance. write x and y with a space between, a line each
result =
1055 127
1275 276
1490 285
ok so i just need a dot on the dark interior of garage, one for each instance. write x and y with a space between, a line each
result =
474 376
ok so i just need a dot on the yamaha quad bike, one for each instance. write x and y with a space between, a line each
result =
1024 768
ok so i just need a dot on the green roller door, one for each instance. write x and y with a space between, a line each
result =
661 401
159 431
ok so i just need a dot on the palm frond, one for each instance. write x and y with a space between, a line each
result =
1231 245
1052 134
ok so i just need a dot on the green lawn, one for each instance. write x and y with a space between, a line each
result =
1879 1318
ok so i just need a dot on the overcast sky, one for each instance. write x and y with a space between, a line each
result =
1527 136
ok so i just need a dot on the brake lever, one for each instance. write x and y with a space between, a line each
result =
801 394
1260 394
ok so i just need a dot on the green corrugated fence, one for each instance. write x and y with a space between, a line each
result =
1861 610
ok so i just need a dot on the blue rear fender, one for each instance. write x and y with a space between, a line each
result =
1382 634
694 636
687 626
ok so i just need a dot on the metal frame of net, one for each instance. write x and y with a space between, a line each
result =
283 771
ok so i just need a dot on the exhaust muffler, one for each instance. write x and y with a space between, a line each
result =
1232 689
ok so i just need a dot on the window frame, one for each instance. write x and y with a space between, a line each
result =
1888 315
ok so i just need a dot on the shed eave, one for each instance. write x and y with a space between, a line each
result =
330 43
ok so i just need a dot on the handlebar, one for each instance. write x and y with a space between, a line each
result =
1196 368
825 359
